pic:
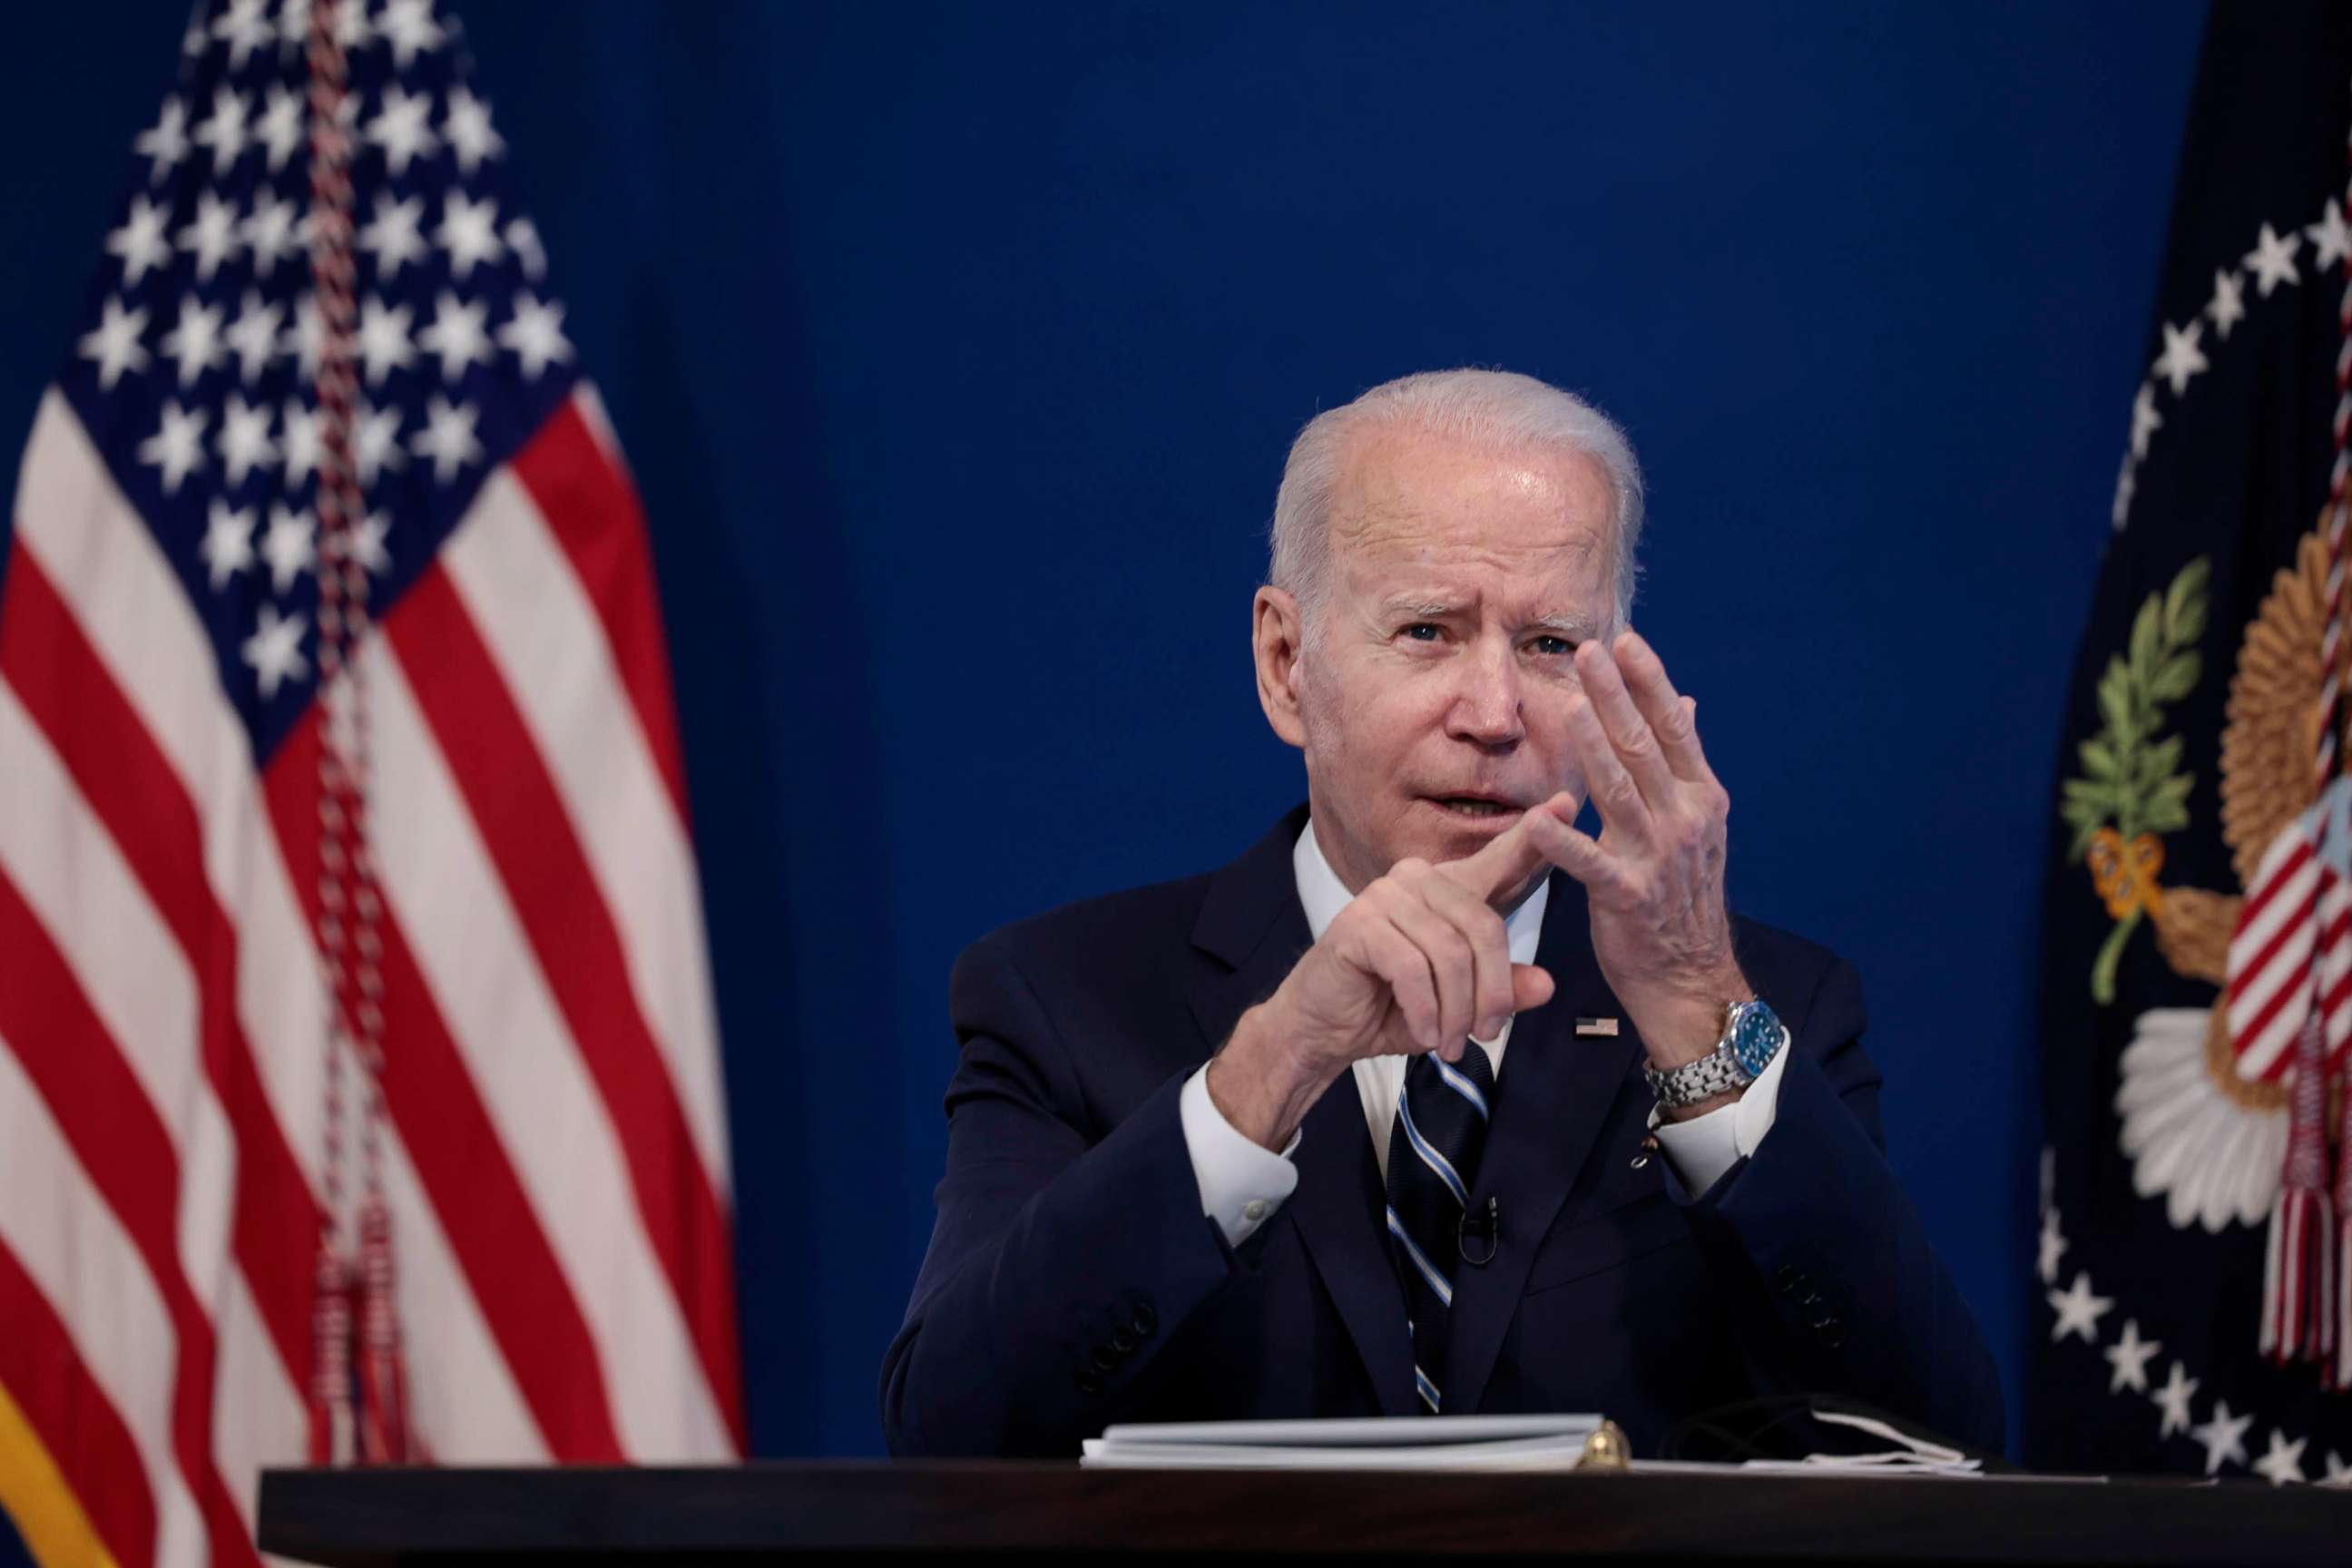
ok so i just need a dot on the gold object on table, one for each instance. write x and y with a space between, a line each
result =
1607 1449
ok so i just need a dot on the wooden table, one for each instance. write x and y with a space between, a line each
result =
702 1515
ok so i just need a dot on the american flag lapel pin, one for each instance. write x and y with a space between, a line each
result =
1604 1026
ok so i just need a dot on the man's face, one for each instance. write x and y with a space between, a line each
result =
1434 686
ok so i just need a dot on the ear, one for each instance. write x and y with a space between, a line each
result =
1278 638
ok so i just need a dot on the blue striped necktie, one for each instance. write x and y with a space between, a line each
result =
1441 1125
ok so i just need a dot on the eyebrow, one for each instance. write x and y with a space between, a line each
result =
1568 626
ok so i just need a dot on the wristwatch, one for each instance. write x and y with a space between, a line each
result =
1752 1035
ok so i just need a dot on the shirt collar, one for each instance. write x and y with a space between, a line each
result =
1323 896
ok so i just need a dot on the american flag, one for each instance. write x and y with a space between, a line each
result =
553 1147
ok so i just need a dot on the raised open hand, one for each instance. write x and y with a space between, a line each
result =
1653 879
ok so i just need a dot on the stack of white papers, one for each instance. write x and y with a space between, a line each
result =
1418 1443
1422 1443
1909 1456
1906 1457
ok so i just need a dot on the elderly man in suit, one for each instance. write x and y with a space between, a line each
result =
1244 1145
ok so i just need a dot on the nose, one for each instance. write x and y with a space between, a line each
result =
1487 706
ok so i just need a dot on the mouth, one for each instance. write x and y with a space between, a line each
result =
1477 808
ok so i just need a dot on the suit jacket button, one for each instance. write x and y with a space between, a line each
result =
1104 1358
1145 1320
1089 1384
1785 1280
1830 1333
1124 1339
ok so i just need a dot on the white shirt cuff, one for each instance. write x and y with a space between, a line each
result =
1702 1149
1241 1183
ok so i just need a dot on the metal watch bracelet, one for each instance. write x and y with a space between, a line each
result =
1715 1073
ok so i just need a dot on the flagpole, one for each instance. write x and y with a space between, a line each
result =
2306 1289
2334 1281
358 1402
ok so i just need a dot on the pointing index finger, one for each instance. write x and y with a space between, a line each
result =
1503 867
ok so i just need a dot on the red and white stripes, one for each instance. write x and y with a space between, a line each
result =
555 1148
2306 1284
2332 1333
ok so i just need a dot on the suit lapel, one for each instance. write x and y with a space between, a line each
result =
1551 1101
1250 932
1338 1209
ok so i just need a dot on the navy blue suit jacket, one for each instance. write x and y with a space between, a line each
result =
1073 1280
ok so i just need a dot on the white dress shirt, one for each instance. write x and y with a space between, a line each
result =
1243 1184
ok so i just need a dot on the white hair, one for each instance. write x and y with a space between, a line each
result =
1493 407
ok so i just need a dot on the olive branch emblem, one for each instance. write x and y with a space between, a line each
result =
2132 789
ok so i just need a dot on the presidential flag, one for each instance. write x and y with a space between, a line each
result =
2196 1307
360 1092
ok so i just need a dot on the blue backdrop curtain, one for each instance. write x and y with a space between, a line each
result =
956 348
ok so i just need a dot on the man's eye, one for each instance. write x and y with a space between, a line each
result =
1424 631
1552 647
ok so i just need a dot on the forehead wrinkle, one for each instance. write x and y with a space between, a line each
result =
1450 559
1382 527
1378 520
1449 575
1427 527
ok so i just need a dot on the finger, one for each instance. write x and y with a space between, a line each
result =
1629 730
1614 792
1450 960
1673 718
1500 872
1392 958
1577 853
1490 952
1530 987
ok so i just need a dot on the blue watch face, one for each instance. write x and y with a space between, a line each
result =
1756 1038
